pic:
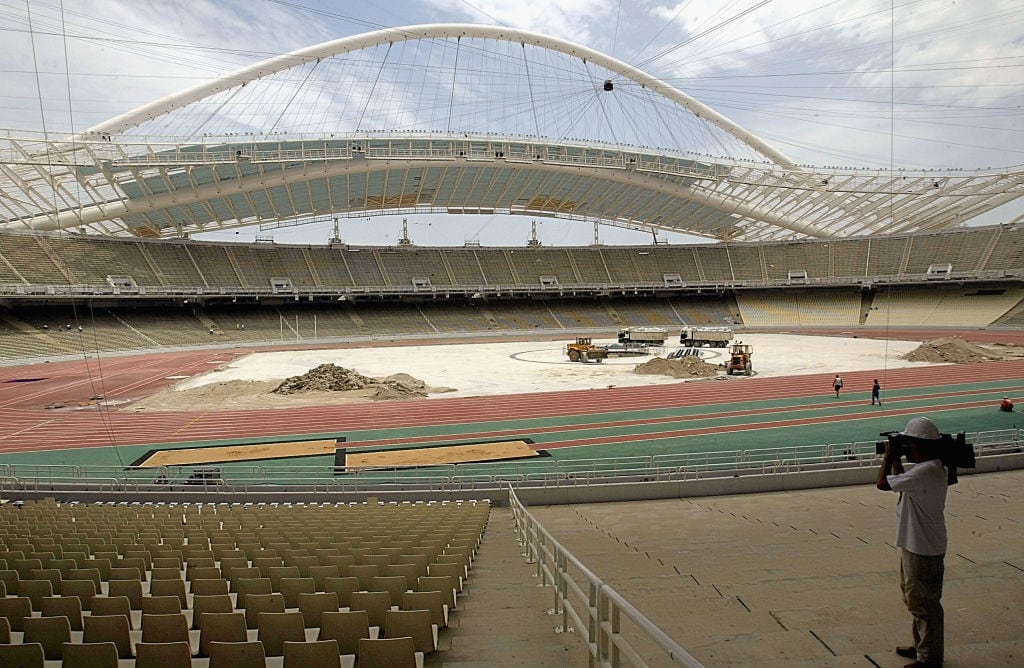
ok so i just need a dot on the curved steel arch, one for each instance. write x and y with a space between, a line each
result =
299 57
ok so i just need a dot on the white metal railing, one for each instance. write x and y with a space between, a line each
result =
590 606
546 472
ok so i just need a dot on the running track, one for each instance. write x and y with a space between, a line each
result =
26 424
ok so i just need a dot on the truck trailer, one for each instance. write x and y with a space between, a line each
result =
700 337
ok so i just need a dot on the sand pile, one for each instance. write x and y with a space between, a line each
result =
684 367
950 349
333 378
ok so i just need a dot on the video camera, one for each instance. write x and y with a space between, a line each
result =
953 449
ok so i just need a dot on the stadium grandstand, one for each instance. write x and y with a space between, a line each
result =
636 552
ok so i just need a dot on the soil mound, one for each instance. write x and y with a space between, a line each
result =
950 349
333 378
684 367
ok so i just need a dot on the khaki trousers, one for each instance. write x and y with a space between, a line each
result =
921 584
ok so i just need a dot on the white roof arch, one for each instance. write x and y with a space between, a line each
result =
298 57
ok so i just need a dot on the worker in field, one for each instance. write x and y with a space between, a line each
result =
1006 405
837 384
876 393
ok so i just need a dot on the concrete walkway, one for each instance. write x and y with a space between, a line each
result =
806 578
502 616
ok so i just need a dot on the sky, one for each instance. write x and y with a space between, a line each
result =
923 84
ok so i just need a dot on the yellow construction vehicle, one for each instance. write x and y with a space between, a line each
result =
584 350
739 359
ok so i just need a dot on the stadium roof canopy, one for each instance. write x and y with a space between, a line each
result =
478 119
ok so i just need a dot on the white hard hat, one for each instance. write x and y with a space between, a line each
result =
923 428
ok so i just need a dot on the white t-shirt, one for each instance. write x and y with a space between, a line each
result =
920 519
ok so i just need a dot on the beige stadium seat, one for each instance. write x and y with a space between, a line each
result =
321 653
109 628
258 603
23 655
50 632
163 655
92 655
237 655
313 605
221 627
277 627
375 603
175 588
415 624
387 653
216 603
64 606
166 628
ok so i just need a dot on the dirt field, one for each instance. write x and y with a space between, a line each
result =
522 367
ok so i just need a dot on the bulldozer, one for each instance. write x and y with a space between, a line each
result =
739 359
584 350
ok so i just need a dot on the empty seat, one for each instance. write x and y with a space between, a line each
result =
170 588
165 628
364 573
346 627
246 586
209 587
130 589
441 583
83 590
163 655
321 573
237 655
396 585
387 653
415 624
313 605
433 601
257 603
50 632
10 579
91 655
109 628
205 604
456 571
35 591
23 655
221 627
344 587
112 605
64 606
375 603
321 653
278 573
15 609
161 605
277 627
292 587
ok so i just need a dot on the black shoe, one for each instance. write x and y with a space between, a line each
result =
908 651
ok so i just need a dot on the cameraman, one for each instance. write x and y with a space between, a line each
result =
921 532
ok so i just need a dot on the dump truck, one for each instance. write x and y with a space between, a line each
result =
739 359
651 336
700 337
584 350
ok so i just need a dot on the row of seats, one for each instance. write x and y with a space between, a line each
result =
186 584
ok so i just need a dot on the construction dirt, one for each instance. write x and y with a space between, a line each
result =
684 367
954 350
323 385
255 381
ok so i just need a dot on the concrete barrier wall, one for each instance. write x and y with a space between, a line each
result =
579 492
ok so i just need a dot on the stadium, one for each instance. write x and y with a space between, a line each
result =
536 511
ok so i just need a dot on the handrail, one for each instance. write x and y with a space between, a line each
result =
601 624
476 476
